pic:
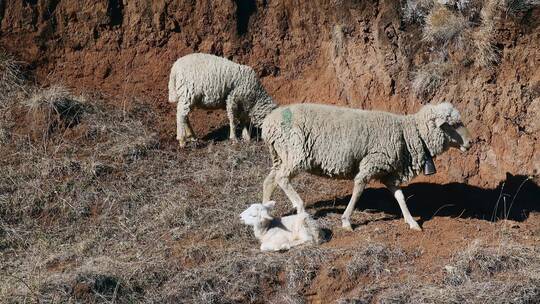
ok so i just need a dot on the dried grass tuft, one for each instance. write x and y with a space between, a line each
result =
429 78
53 110
11 75
444 26
484 52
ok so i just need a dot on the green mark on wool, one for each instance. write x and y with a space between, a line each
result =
286 119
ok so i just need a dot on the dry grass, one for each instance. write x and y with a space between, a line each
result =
429 78
517 7
458 32
479 262
479 274
444 26
11 76
373 260
483 51
415 11
53 110
523 292
102 212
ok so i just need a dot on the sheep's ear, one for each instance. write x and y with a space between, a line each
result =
269 204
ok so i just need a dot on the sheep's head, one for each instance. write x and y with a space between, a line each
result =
257 214
444 122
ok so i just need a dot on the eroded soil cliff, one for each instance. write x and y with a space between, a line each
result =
355 53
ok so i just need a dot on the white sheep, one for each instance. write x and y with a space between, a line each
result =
360 145
211 82
280 233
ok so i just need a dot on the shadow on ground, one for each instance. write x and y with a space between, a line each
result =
513 199
222 134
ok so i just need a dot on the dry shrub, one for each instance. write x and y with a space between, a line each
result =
429 78
52 110
444 26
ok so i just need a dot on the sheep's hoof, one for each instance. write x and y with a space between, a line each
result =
181 143
415 227
245 135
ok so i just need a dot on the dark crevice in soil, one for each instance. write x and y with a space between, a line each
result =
2 10
50 8
115 12
30 2
244 10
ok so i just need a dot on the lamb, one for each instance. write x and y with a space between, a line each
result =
211 82
360 145
277 234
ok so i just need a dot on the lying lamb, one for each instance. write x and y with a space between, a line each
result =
280 233
360 145
211 82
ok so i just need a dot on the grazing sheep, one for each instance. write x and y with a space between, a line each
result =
280 233
211 82
360 145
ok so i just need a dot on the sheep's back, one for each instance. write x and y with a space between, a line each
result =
207 79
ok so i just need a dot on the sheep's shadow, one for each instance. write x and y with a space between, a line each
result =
513 199
222 134
218 134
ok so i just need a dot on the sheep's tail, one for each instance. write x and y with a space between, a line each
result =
173 95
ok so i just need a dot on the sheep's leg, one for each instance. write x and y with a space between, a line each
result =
398 194
269 185
370 166
359 184
183 128
231 112
245 134
284 181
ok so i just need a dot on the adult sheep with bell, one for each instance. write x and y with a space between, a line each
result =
361 145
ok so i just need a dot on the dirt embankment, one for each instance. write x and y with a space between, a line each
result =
357 53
